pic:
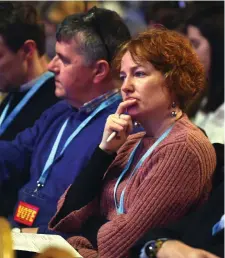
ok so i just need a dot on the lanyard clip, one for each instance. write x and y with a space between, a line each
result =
39 185
120 210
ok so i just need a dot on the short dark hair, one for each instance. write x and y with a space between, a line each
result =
100 33
19 22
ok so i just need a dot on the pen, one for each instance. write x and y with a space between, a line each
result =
112 135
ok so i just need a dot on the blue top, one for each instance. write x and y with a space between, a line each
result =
31 148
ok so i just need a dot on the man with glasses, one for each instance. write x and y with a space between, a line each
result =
52 152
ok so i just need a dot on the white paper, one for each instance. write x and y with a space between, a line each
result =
39 242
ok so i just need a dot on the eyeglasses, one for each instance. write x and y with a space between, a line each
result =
92 19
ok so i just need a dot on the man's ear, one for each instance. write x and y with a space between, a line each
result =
101 70
28 48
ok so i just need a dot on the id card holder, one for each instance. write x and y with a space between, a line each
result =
26 213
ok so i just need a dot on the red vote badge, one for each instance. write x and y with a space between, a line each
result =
26 213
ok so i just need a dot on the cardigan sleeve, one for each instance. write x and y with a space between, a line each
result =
82 194
165 194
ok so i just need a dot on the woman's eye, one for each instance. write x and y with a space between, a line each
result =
122 77
140 74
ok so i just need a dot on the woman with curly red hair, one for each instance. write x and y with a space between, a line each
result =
156 176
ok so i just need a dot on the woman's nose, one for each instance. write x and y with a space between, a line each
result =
127 85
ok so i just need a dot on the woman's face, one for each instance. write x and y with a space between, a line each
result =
146 85
201 46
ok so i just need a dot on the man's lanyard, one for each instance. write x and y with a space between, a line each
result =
120 208
5 110
4 124
51 159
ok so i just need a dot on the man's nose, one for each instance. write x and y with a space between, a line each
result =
53 65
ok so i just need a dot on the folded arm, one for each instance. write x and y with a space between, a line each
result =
84 190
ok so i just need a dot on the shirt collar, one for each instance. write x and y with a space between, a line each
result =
93 104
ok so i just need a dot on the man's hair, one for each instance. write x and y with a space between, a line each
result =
19 22
99 32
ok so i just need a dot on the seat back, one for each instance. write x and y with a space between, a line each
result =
218 176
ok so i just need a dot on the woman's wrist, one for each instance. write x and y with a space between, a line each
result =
152 247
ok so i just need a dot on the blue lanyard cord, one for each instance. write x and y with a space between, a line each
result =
51 159
4 125
120 208
4 112
218 226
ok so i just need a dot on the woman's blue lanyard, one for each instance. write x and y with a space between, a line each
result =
51 159
9 119
120 208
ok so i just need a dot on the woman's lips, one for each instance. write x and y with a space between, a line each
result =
130 98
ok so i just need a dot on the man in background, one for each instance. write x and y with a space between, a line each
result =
23 69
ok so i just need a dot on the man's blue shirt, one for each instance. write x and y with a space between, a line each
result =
31 148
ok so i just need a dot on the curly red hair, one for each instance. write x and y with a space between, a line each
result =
171 53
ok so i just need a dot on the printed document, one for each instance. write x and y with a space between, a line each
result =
39 242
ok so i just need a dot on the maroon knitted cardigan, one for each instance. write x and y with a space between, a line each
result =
174 178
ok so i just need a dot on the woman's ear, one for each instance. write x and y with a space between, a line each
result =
101 71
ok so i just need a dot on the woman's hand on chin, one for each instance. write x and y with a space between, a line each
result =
118 124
